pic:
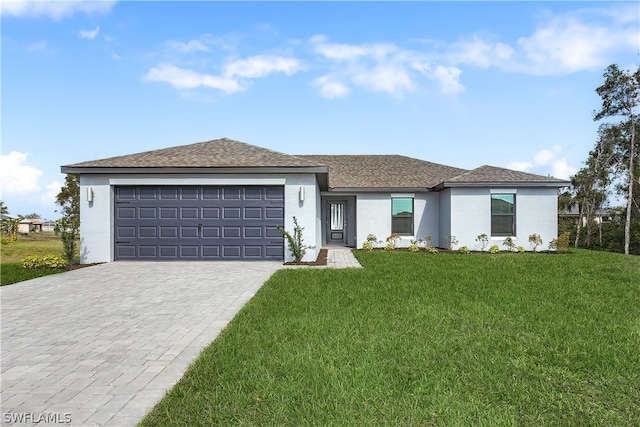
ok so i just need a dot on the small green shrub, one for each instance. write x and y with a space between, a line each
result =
451 242
296 247
534 241
392 240
413 246
370 243
431 250
464 250
389 247
494 249
509 244
561 244
32 262
482 240
521 249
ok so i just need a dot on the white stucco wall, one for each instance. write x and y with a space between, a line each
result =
536 212
97 217
373 212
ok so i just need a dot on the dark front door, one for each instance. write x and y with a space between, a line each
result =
336 222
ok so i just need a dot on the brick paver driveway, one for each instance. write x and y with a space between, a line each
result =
101 345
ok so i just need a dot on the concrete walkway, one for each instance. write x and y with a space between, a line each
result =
101 345
341 258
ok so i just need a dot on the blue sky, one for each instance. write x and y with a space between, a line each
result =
509 84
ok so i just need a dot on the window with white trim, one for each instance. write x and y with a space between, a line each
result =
503 214
402 215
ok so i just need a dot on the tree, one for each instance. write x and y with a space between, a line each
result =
620 95
69 200
33 216
3 208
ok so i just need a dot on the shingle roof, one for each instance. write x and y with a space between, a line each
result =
382 171
494 174
373 172
218 153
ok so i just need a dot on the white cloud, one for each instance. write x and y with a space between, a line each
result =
520 166
89 34
449 80
545 158
331 89
561 169
53 9
39 47
385 77
479 52
52 190
188 47
261 65
16 176
181 78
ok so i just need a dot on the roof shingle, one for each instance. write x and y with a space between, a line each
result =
218 153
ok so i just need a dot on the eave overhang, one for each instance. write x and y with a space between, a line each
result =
502 184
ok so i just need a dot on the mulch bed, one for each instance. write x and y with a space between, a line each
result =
321 260
71 267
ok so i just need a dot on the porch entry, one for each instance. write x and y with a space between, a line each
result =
339 221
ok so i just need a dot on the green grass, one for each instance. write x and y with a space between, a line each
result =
14 272
418 339
35 244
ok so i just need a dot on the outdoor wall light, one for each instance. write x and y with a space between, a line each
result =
89 194
302 194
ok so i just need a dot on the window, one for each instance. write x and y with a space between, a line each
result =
402 215
503 215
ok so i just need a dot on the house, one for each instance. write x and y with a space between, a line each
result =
30 225
224 199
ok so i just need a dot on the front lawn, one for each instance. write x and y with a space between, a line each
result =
419 339
14 272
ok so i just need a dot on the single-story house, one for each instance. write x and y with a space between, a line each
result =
224 199
30 225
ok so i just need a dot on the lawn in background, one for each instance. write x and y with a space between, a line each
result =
39 244
420 339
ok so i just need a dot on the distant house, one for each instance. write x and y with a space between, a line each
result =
601 215
48 225
30 225
224 199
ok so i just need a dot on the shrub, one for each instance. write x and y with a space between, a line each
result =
451 242
464 250
392 240
561 244
296 247
427 240
431 250
509 244
494 249
535 240
521 249
32 262
389 247
413 246
482 240
371 241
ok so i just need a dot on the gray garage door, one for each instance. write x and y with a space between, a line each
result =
198 223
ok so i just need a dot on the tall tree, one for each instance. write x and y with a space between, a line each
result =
69 200
33 216
3 208
620 95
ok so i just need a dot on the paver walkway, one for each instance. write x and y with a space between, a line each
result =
101 345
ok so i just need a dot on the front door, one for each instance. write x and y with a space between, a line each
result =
336 222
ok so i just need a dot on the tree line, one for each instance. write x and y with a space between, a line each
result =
612 169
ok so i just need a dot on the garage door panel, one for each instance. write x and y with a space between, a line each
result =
206 223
